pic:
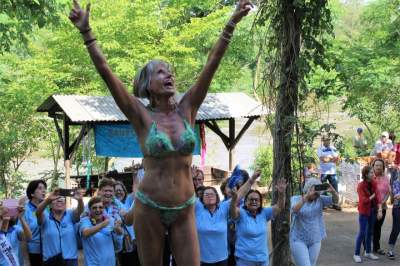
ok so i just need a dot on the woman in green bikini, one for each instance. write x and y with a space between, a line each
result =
165 197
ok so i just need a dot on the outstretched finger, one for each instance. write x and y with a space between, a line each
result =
88 8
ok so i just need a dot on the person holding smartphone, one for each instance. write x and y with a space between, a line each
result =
58 229
308 226
13 229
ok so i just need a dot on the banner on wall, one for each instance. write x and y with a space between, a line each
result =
120 140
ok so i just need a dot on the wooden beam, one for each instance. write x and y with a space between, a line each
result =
66 138
242 131
231 141
215 128
60 134
74 147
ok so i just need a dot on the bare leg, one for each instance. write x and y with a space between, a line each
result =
184 242
150 235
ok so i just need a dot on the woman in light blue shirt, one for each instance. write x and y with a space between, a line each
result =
251 219
101 235
308 227
211 222
14 233
59 238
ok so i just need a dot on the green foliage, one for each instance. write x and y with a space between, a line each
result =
17 18
264 161
369 67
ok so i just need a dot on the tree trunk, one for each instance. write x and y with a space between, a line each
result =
286 105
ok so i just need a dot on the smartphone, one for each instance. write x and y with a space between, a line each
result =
65 192
321 187
12 206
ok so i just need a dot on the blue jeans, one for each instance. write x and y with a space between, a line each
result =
365 233
303 254
243 262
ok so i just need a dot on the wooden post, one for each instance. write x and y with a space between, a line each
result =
231 148
67 159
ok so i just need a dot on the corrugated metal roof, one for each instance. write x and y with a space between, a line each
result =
216 106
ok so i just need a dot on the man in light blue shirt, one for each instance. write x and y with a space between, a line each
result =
328 157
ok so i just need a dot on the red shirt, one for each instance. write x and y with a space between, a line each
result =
396 149
364 203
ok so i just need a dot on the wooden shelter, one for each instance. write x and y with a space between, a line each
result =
86 111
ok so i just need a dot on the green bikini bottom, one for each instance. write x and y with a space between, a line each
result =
167 214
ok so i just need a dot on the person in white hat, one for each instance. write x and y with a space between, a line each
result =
383 145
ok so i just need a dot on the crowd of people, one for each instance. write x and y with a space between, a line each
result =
231 230
379 185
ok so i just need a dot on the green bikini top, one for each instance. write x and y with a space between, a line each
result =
158 144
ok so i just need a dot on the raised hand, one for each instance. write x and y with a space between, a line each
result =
21 211
242 9
80 17
255 175
53 195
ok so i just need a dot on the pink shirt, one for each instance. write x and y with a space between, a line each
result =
382 189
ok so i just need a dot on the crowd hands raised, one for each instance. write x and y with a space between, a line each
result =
231 230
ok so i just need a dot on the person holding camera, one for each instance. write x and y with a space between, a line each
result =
308 226
60 243
13 230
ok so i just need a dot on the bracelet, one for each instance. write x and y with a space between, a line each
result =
90 41
227 34
227 40
90 44
85 31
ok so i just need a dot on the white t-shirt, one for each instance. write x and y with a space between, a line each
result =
330 167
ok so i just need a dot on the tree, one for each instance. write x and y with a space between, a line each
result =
299 30
369 67
19 17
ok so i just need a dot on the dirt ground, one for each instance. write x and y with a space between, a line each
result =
342 227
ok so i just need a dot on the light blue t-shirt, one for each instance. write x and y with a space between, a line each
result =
99 249
12 236
59 237
252 235
31 220
212 231
308 224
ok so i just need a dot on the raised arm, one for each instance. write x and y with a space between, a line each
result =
26 233
237 196
79 209
42 206
129 105
280 205
195 96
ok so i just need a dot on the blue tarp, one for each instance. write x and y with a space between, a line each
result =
120 140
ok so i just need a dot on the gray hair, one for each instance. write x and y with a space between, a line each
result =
142 79
309 184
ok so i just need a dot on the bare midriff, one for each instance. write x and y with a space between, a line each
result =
168 181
